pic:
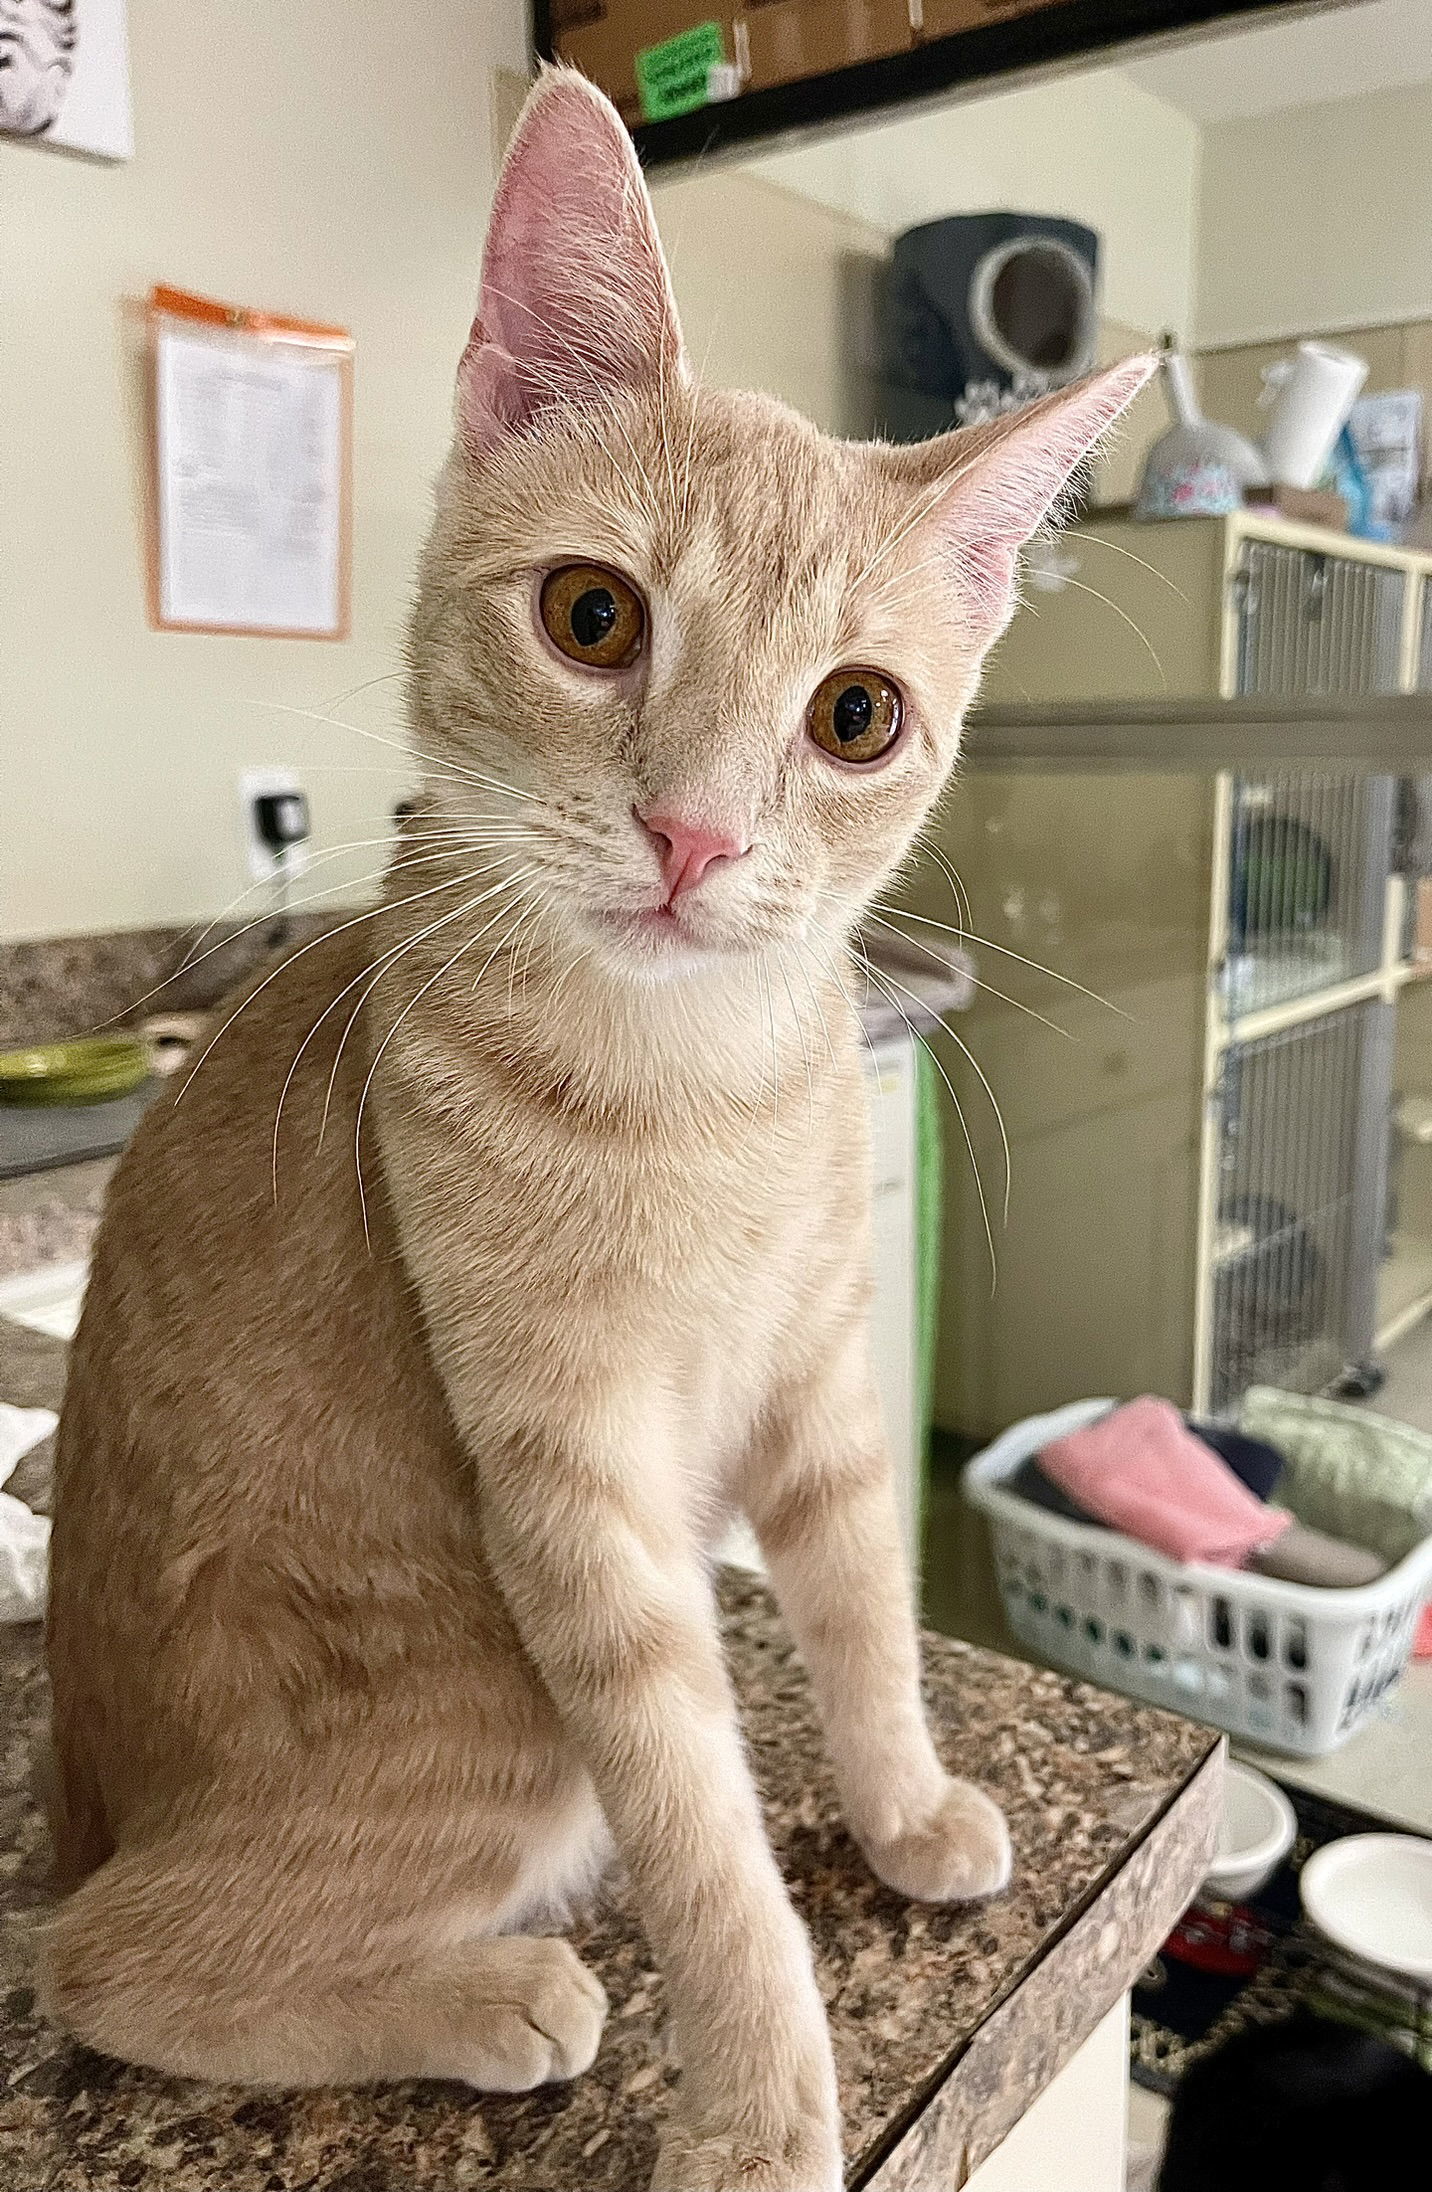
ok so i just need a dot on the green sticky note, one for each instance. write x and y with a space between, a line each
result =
673 78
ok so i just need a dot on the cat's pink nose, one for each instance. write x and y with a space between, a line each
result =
688 849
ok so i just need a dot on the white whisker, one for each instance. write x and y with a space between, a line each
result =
965 1131
416 998
988 987
962 897
369 914
544 902
753 969
975 1067
1124 618
833 971
775 1050
498 948
457 841
565 976
1144 565
800 1038
383 960
366 685
387 960
968 936
814 994
439 762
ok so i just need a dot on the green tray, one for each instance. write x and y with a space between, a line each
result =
88 1072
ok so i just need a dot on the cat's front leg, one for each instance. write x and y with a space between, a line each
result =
613 1607
580 1502
819 1491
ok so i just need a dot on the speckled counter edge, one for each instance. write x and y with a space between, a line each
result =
1027 2041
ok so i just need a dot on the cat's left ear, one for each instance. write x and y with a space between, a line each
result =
1001 482
576 303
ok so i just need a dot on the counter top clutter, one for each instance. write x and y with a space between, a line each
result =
948 2024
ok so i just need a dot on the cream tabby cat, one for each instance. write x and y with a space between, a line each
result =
381 1605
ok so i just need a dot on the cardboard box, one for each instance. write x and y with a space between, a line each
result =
603 38
774 41
1303 505
783 41
944 18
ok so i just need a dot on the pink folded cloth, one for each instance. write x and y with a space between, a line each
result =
1143 1471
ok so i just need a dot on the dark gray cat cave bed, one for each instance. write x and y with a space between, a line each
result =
947 2024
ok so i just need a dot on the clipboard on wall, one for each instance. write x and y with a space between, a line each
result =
250 506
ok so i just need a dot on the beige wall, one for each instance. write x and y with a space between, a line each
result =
1317 219
122 745
775 292
1093 148
741 249
288 157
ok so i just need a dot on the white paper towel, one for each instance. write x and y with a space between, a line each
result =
24 1535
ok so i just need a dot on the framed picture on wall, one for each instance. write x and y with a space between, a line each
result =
250 506
64 75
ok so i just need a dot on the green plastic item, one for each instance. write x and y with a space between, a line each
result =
929 1225
90 1072
674 77
1350 1472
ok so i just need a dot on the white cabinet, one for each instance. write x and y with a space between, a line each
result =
894 1317
1073 2137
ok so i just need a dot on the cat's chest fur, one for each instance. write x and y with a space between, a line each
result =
687 1256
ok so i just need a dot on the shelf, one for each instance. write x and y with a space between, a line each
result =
1313 1004
1261 982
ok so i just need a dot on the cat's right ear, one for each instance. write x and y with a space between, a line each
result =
576 303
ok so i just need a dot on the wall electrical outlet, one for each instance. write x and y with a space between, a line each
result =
273 784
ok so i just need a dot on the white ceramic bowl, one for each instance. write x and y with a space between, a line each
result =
1255 1834
1371 1894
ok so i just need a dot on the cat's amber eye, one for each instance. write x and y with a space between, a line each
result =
593 615
855 715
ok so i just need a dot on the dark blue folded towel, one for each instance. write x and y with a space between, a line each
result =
1258 1464
1030 1482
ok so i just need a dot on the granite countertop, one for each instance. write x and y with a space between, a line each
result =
947 2023
51 1216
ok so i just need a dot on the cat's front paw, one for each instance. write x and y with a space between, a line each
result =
957 1854
802 2157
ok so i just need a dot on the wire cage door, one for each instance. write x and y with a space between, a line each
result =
1316 624
1308 861
1302 1119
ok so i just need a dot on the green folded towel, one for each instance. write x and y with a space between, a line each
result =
1350 1473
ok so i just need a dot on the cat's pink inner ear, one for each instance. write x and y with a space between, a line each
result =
1001 495
576 303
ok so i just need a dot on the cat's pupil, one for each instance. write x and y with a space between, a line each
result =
594 613
852 713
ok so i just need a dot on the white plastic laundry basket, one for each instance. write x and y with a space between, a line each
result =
1295 1668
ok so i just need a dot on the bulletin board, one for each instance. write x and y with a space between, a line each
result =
250 504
